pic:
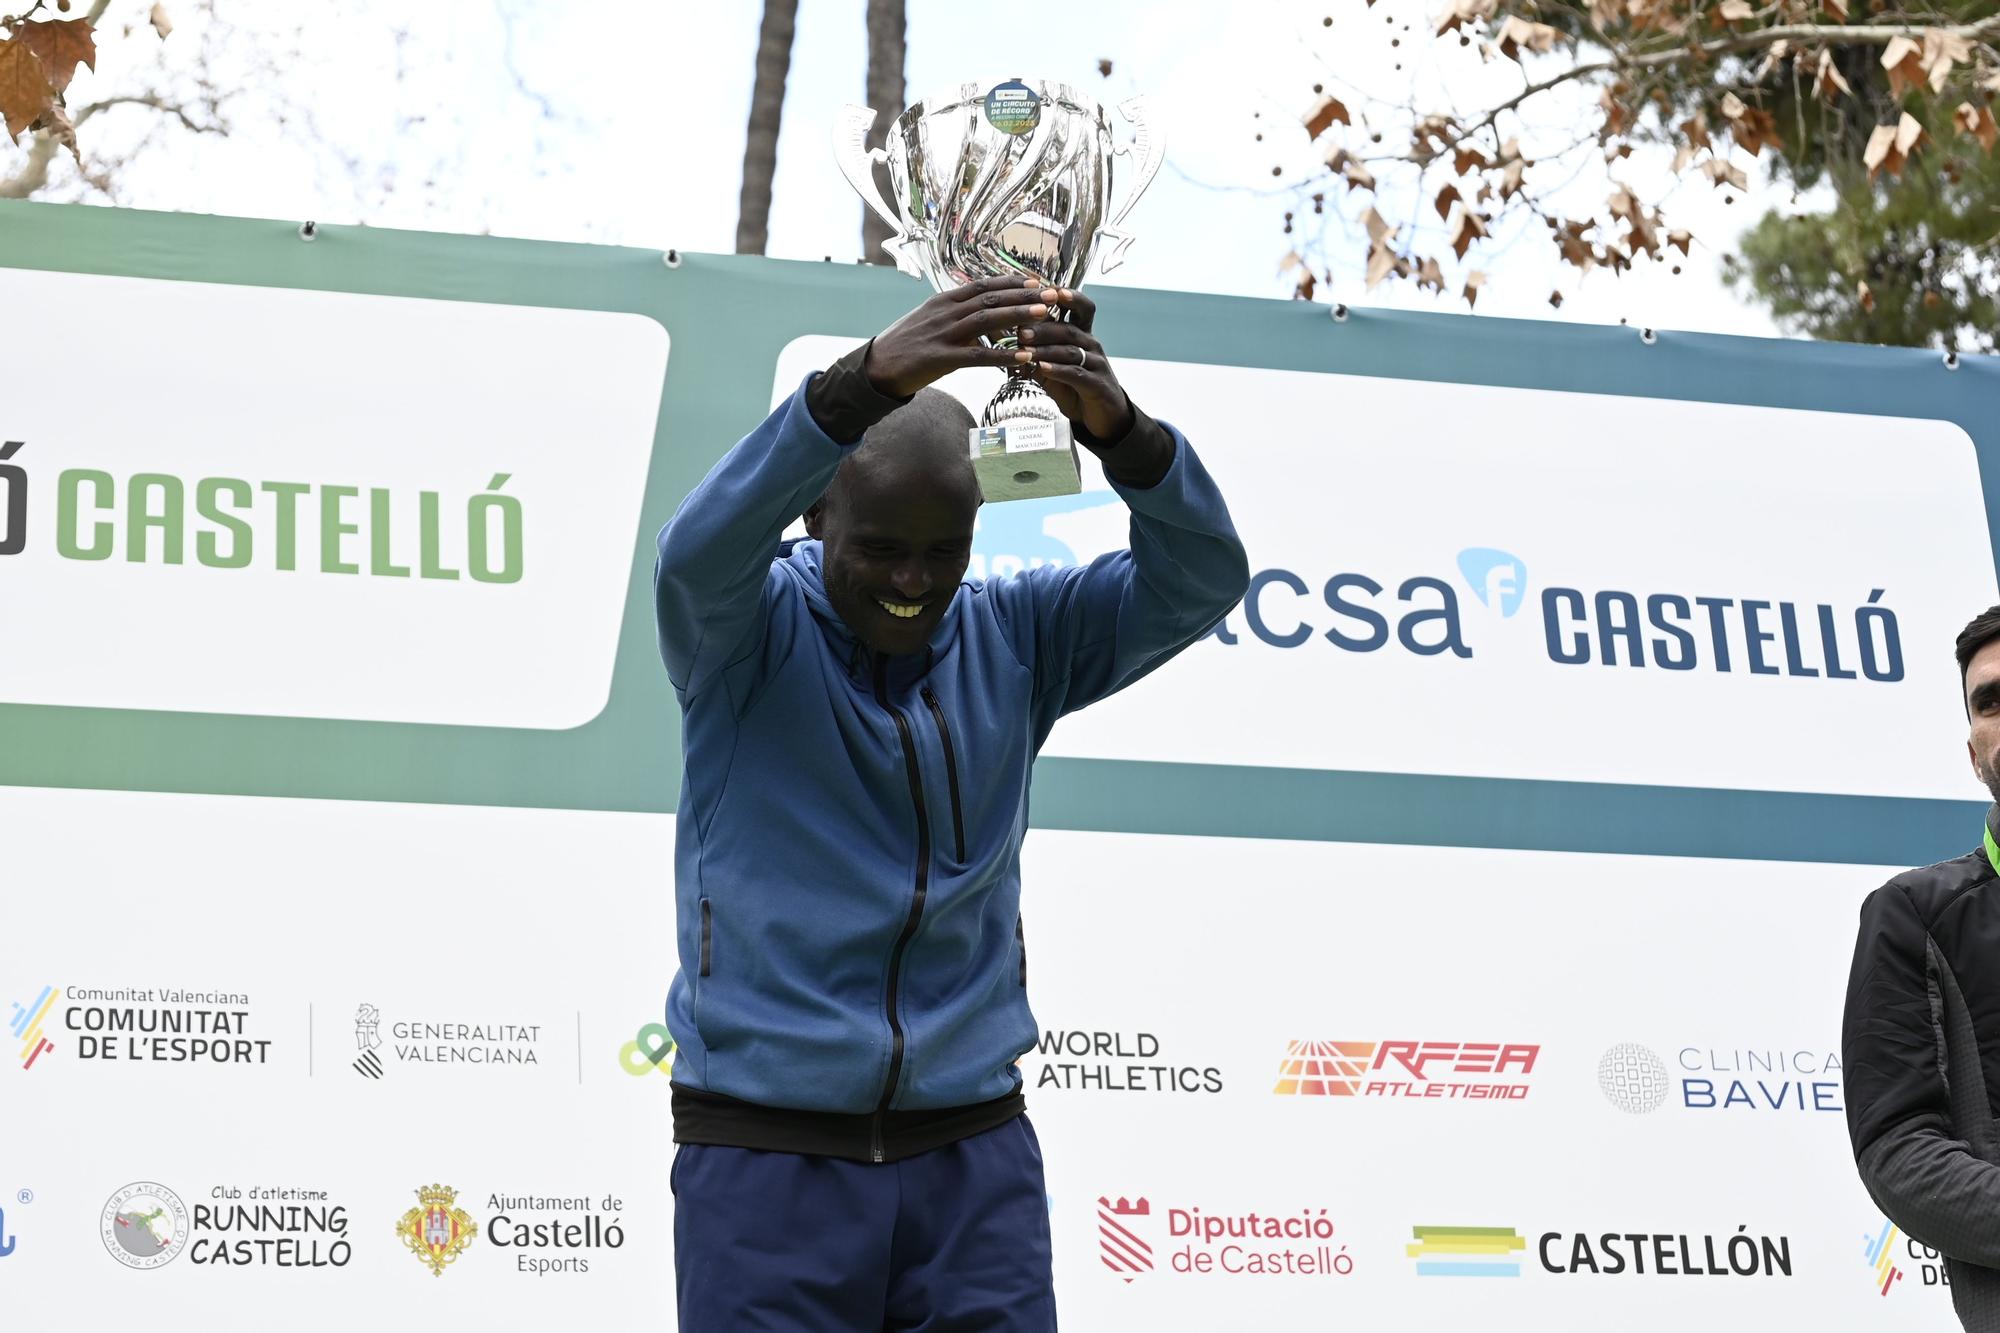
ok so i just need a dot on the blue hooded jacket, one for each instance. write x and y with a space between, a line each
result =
847 862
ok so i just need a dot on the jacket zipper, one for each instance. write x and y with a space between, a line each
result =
1021 941
916 901
705 932
950 770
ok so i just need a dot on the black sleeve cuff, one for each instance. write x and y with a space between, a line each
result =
1140 460
842 401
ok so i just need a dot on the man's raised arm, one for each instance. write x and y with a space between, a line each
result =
715 552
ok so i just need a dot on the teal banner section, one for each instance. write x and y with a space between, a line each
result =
729 316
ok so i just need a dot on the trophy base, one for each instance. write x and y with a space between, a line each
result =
1027 458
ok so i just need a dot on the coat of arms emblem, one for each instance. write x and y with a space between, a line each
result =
435 1230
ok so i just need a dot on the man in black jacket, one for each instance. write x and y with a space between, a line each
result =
1921 1040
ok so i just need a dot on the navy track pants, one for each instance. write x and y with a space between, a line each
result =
949 1241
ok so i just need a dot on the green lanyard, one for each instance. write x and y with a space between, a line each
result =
1992 851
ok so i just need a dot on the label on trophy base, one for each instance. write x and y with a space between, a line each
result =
1025 459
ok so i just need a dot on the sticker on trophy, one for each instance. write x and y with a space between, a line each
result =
1013 108
988 441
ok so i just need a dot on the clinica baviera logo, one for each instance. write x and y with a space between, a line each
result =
1725 1079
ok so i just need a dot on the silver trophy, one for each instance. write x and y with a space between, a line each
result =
999 178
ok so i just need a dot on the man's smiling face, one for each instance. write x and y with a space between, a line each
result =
896 527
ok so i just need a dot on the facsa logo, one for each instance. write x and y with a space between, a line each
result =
1497 579
1476 1071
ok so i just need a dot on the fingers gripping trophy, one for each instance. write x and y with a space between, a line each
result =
993 180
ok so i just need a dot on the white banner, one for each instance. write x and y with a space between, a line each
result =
1603 1075
1504 582
318 504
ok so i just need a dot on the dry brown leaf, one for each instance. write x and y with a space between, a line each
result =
1466 227
1904 60
1430 275
1722 172
1932 300
61 45
1977 121
1463 11
1890 146
1464 160
1755 128
1323 114
1381 263
1736 11
1941 51
1576 249
1616 114
1680 238
1510 178
25 94
1867 296
1829 79
1556 300
1837 8
1696 130
1448 196
1473 282
1682 156
164 25
1378 229
1358 177
1304 292
1292 260
1518 32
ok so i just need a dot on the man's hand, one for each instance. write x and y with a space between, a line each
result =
942 334
1071 365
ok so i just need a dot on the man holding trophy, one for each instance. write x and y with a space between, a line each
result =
859 728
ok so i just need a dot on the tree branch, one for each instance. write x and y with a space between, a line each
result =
1879 34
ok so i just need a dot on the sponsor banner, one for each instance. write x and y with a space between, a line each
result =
320 504
1629 592
1188 1188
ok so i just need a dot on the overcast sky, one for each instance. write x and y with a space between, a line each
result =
623 122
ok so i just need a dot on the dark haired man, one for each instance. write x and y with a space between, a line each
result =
859 727
1921 1041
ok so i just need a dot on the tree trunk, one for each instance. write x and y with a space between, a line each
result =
767 104
885 96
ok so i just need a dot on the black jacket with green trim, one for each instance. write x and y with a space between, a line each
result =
1921 1048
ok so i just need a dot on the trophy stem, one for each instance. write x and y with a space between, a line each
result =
1020 399
1022 449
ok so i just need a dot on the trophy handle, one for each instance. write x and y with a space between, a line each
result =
857 162
1149 151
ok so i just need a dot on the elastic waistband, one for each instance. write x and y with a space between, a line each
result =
711 1118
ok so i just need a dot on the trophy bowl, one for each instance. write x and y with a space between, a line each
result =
1006 177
